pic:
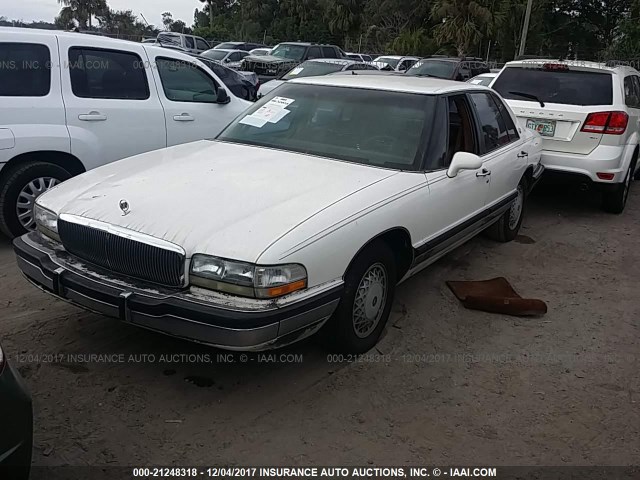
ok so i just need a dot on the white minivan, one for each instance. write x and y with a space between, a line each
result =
70 102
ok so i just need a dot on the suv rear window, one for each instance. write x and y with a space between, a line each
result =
25 70
569 87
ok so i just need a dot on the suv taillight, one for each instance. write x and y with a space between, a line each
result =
1 359
610 123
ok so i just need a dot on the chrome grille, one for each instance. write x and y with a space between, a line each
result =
123 255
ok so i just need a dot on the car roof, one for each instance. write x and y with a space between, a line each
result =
393 83
228 50
339 61
576 64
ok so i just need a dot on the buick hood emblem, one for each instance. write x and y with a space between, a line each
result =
124 206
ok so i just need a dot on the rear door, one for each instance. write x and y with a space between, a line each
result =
502 154
570 94
112 107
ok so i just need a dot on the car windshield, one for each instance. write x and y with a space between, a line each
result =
481 80
228 46
260 52
215 54
433 68
568 87
292 52
171 38
370 127
393 62
310 69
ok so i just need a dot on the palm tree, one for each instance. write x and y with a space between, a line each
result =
462 23
82 10
344 16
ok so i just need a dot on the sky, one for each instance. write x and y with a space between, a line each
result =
151 9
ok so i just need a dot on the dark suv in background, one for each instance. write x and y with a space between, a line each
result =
286 56
450 68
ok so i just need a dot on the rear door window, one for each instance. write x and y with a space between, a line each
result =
25 70
569 87
314 52
493 128
506 116
188 42
113 74
329 52
202 45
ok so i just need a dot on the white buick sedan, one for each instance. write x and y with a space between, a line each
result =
303 214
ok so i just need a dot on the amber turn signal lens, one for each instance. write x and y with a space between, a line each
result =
284 289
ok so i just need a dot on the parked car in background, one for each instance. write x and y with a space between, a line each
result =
356 182
230 58
260 52
97 102
395 62
241 84
588 115
190 43
455 68
312 68
483 79
246 46
286 56
360 57
16 418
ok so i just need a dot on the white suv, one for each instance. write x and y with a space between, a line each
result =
70 102
588 115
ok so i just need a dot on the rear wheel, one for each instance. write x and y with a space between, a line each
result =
507 228
614 201
364 309
18 194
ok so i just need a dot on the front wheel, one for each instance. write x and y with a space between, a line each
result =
507 228
18 194
365 306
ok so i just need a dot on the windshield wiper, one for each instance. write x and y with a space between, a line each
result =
529 96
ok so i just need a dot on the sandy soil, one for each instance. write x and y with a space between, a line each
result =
445 386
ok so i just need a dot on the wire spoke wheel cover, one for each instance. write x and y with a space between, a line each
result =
370 300
516 209
27 199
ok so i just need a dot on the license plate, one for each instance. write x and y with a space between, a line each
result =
546 128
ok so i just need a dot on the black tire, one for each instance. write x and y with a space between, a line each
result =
17 178
340 332
504 230
614 200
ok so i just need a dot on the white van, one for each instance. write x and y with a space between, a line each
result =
70 102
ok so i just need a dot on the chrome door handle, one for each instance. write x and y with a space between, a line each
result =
184 117
92 117
483 173
523 154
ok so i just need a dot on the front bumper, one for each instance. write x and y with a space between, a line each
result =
223 321
16 418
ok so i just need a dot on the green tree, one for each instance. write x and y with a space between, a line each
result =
462 23
82 11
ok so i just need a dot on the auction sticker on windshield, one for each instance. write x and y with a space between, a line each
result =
546 128
271 112
296 71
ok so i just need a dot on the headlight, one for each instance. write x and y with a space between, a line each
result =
247 279
47 222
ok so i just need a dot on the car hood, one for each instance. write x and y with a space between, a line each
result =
266 87
213 197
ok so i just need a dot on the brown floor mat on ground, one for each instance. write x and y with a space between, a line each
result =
496 296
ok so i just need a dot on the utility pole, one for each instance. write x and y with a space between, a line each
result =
525 28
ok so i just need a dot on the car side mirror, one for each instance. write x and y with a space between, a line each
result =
463 161
227 60
222 96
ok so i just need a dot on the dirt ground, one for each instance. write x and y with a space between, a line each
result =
446 386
